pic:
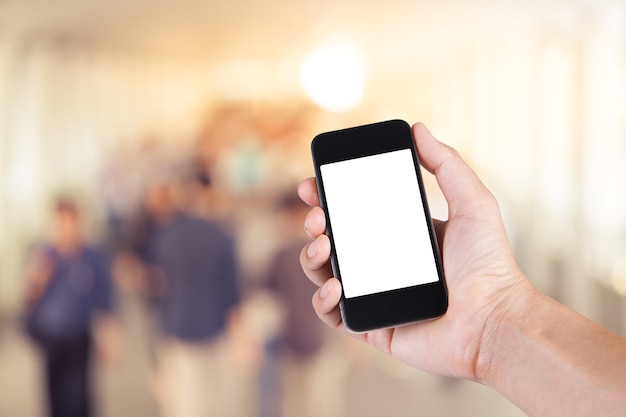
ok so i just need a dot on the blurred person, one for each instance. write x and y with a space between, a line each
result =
310 378
69 292
499 330
124 175
194 262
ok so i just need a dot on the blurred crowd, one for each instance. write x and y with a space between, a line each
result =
201 238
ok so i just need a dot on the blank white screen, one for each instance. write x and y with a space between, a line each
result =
378 223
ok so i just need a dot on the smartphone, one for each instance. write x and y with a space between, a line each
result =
384 248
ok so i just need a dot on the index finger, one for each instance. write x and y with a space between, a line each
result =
307 190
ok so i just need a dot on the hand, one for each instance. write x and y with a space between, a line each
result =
38 271
109 340
482 276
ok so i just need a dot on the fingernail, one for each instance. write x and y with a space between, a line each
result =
306 224
324 290
312 249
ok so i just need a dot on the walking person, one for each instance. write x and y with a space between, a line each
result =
69 290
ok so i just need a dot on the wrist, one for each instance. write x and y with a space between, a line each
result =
505 319
549 360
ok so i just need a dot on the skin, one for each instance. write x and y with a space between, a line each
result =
499 330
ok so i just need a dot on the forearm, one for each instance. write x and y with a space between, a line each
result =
109 338
551 361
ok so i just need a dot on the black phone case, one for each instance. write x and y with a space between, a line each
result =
395 307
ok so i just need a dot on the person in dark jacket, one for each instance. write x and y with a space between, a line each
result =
308 381
68 286
195 260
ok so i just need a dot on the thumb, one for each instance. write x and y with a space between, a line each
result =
463 190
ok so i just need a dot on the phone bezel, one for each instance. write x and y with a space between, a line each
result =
395 307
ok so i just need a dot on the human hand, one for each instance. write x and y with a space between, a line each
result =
38 271
109 340
482 276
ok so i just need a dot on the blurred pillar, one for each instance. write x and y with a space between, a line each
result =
603 146
4 52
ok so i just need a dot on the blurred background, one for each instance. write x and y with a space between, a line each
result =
140 109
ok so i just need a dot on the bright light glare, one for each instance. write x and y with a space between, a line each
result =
333 77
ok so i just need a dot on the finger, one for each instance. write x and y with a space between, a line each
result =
463 190
307 190
326 303
315 222
315 260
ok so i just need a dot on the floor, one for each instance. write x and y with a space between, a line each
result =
375 385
